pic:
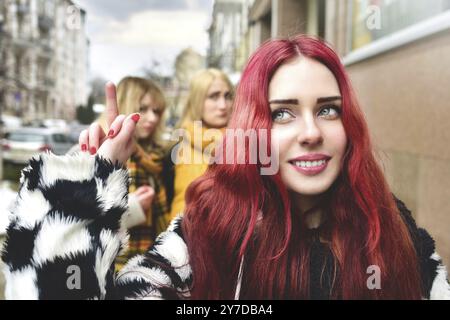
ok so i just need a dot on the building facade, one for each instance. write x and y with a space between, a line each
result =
44 58
187 63
240 26
225 33
397 55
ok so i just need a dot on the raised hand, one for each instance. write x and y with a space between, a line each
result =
118 144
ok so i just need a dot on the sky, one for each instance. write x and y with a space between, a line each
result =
126 36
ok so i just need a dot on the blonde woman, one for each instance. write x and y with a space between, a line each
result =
148 210
208 107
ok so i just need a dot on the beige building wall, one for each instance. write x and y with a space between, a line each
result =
405 96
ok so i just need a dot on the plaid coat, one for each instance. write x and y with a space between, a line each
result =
145 168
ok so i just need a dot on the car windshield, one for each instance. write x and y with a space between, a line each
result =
26 137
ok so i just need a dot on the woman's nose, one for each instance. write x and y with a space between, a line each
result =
309 133
222 103
150 116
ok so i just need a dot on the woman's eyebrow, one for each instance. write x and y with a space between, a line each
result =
284 101
295 101
328 99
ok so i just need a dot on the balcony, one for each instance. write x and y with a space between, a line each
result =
45 23
45 84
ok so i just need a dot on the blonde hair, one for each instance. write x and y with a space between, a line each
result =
130 92
198 92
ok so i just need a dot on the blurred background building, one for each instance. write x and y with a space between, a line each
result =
43 58
397 53
187 63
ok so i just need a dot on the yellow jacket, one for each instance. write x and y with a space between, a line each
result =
195 151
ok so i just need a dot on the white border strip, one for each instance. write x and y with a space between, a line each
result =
397 39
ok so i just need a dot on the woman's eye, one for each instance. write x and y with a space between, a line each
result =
330 112
281 115
214 96
142 109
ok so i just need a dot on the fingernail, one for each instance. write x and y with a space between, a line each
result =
135 117
111 133
83 147
93 150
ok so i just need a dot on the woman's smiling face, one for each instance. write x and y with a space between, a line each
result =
305 103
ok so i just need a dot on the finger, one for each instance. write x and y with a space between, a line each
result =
116 125
151 193
140 190
111 110
127 131
83 140
95 135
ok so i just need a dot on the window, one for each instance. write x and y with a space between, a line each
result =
374 19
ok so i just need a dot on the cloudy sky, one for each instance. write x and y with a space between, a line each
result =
128 35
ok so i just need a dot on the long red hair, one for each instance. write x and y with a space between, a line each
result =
222 225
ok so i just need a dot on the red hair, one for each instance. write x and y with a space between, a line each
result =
364 226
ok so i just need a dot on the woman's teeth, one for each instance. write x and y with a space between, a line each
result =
308 164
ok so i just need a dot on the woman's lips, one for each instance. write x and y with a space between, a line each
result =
310 168
148 128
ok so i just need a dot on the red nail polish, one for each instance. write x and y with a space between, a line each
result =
83 147
135 117
93 150
111 133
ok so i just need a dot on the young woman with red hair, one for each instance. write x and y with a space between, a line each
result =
324 226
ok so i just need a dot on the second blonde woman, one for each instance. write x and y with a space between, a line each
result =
208 106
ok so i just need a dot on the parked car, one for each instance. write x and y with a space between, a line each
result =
56 124
9 123
22 144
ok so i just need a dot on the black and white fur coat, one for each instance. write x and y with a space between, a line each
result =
67 218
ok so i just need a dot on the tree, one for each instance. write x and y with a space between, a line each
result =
98 90
86 114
